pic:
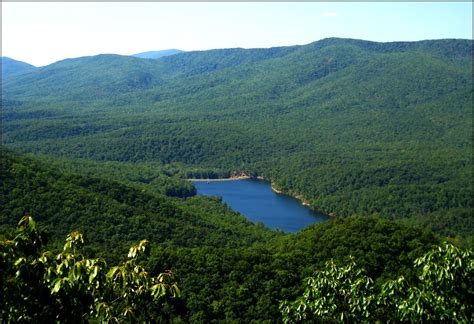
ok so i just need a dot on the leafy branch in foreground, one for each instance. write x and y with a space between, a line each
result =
39 285
443 290
335 293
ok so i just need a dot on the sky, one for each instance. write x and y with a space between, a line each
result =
42 33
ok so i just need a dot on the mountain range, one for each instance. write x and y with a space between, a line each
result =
351 126
12 67
377 135
157 54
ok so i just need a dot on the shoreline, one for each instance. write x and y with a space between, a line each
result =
303 201
280 192
220 179
297 197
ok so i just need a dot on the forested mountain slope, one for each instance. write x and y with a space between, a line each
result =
227 268
157 54
114 215
354 127
12 67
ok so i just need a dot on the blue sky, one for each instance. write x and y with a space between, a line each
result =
42 33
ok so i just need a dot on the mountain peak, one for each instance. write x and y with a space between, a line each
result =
157 54
14 67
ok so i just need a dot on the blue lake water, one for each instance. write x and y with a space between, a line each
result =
255 200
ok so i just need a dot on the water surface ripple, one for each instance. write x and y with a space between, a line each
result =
255 200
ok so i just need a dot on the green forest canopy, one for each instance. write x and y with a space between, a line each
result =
359 129
226 267
351 126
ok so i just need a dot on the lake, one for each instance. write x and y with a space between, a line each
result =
255 200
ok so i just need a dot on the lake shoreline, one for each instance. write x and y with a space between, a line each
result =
255 200
303 201
221 179
297 197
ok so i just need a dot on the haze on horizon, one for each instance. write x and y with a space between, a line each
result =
42 33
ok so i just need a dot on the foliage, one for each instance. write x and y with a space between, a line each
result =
12 67
383 247
228 268
455 224
246 284
165 179
352 127
40 285
114 215
333 294
442 291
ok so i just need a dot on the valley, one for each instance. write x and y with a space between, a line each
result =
258 202
377 135
350 126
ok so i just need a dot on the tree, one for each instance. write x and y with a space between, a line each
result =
40 285
335 293
443 290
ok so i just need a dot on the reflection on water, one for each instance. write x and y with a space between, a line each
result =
255 200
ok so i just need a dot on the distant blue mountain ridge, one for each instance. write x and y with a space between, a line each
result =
157 54
13 67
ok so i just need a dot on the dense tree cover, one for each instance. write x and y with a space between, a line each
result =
228 269
348 125
381 246
12 67
113 215
40 286
160 178
437 195
353 127
443 290
157 54
455 224
247 283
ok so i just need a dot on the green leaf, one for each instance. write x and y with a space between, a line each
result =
56 286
